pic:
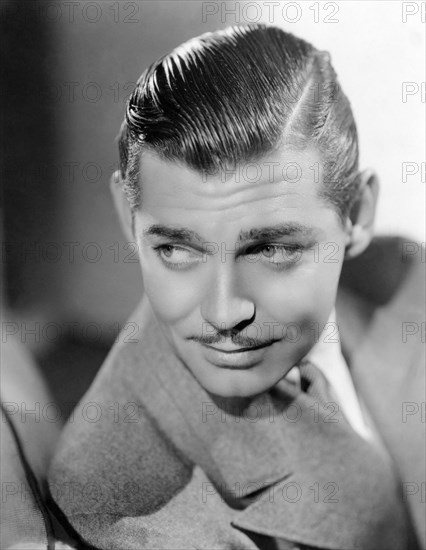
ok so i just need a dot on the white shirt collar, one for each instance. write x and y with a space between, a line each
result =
327 355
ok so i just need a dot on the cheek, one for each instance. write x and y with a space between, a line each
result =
305 295
172 294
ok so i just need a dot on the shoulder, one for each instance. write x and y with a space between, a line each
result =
391 268
380 300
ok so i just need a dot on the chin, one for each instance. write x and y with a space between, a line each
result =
228 383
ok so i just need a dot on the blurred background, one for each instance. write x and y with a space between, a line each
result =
70 279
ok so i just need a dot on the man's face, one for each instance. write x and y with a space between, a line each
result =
240 268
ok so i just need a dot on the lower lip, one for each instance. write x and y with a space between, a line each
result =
241 360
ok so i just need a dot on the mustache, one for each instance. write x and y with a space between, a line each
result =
237 339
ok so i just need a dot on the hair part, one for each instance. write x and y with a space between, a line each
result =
235 95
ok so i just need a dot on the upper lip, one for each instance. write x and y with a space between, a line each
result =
237 350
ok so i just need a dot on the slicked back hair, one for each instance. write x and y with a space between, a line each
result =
235 95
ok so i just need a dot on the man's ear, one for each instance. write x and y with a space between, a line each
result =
122 205
360 224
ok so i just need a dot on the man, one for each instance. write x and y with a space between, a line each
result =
232 417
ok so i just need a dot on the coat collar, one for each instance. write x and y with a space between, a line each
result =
268 461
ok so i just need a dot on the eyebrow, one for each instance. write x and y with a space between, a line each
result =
183 234
276 231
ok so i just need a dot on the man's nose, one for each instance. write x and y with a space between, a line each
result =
227 302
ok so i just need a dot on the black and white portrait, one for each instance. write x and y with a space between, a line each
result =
213 314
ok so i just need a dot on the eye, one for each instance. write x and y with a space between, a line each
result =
278 253
177 257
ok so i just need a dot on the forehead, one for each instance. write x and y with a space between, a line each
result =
281 185
286 169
